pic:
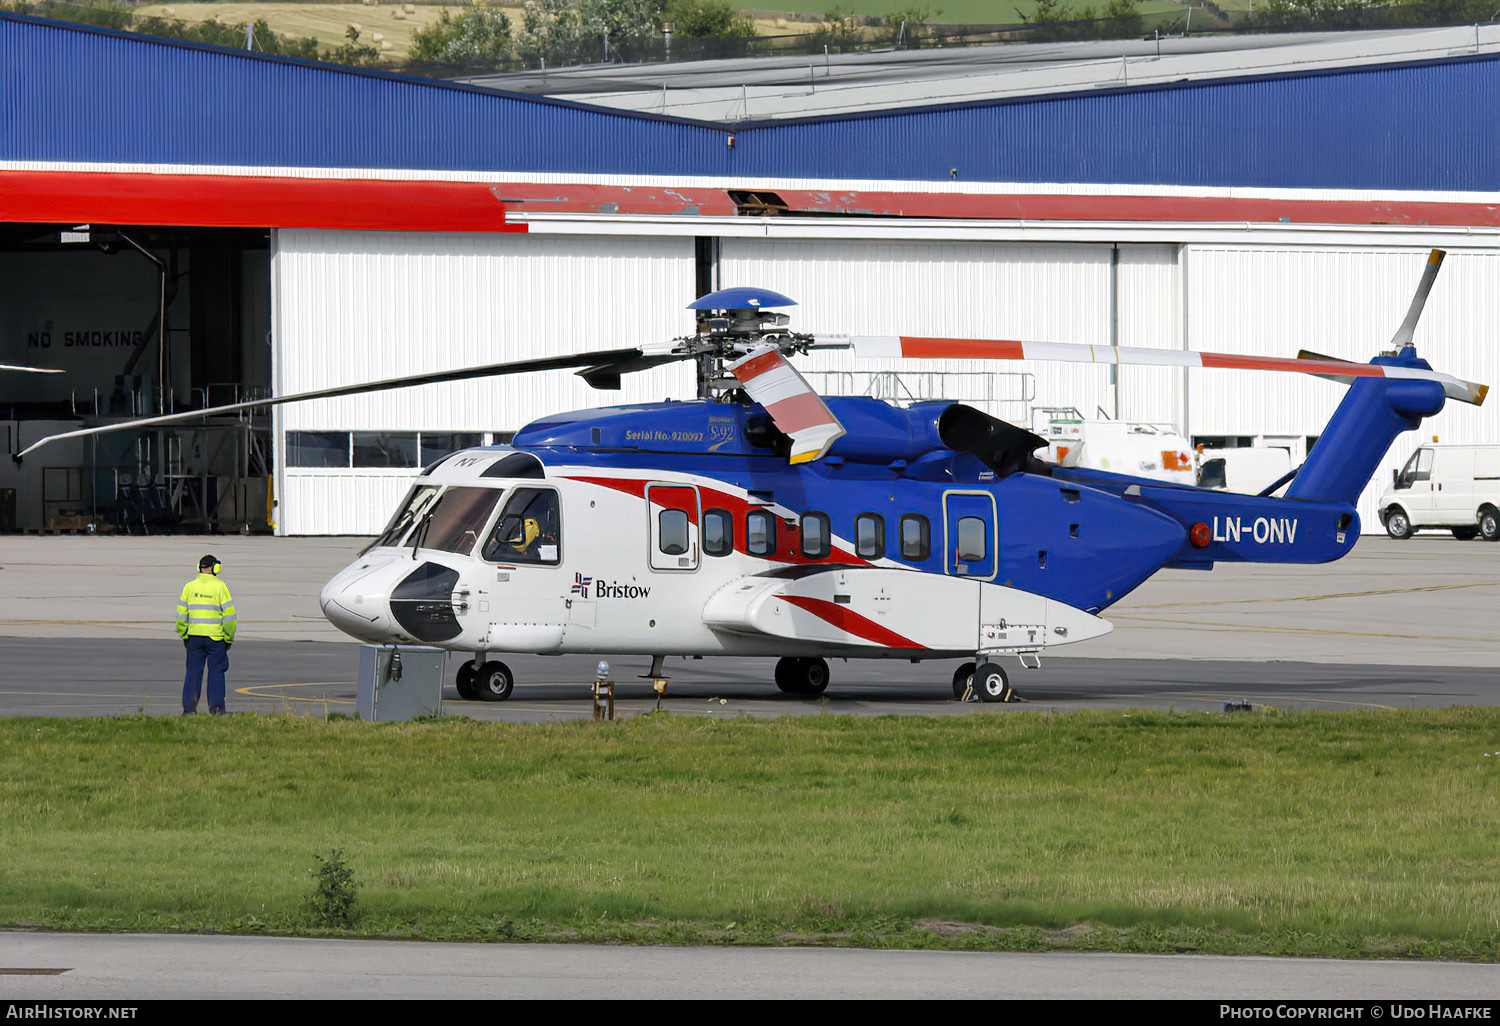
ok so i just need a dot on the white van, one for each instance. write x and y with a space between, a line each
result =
1248 470
1452 486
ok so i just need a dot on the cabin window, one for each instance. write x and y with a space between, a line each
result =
529 529
718 532
453 523
760 533
869 536
672 531
815 531
916 537
973 546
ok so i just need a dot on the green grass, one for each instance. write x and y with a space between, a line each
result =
1371 834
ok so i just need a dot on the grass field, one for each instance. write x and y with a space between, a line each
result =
393 22
325 22
1359 834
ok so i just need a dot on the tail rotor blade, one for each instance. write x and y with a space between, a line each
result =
1403 335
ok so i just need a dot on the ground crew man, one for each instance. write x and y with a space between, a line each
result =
206 623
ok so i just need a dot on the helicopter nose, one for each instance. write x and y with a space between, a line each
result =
357 603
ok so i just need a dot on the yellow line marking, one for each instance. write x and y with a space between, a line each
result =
253 691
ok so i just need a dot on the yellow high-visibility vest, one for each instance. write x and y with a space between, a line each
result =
206 610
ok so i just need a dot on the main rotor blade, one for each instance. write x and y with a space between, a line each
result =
918 347
1403 335
594 360
790 400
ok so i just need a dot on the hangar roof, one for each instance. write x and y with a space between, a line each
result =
1386 123
773 88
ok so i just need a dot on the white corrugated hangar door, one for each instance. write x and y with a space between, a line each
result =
1100 294
365 306
1345 302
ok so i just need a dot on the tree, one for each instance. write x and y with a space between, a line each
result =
576 31
354 52
474 37
906 25
707 19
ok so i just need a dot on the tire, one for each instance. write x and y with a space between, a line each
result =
796 676
991 683
788 673
463 680
493 682
1465 533
814 676
963 679
1397 523
1489 524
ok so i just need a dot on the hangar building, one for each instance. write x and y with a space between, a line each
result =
187 225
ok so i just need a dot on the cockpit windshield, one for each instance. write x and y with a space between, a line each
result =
418 501
455 520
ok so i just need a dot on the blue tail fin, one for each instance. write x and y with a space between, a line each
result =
1374 412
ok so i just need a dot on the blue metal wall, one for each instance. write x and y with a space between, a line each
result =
74 94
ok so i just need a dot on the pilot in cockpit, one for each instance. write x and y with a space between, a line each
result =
525 533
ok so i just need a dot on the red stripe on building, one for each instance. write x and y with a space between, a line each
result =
232 201
850 622
1259 210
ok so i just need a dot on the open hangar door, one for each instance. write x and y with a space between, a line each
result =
142 320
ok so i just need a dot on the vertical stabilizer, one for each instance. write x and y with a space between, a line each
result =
1362 429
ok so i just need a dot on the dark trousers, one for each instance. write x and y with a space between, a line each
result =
215 654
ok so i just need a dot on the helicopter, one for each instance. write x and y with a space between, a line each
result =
762 519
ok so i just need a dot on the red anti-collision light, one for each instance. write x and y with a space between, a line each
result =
1200 535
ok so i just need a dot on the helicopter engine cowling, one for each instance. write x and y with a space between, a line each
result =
1001 446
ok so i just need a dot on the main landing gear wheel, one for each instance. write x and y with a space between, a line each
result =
991 683
963 681
493 682
1398 524
464 681
797 676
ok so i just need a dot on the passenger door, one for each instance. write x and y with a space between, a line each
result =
969 535
673 530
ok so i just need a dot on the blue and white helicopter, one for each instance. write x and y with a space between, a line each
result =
761 519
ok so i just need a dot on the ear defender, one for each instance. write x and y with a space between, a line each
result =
217 568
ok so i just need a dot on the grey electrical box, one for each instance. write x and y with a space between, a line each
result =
399 682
